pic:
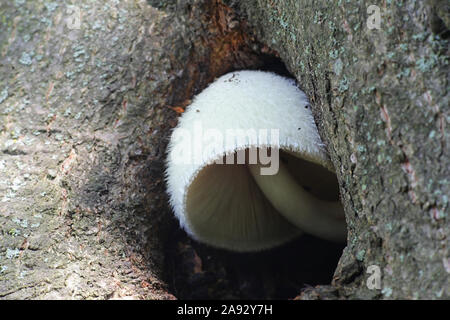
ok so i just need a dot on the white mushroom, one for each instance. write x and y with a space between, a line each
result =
281 181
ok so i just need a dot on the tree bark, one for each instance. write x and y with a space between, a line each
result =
89 94
380 98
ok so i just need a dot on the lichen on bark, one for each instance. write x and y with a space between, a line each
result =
380 99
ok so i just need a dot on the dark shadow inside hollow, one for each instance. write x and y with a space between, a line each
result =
314 178
202 272
271 63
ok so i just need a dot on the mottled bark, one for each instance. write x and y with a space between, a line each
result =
380 98
89 93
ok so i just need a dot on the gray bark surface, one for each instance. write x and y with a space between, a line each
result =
380 98
86 112
79 108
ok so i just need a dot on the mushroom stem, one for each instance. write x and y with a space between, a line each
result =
321 218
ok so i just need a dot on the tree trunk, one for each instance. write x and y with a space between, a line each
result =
89 94
380 100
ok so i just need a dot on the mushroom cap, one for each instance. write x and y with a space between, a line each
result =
221 204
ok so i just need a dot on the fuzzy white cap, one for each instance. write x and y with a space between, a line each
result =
220 204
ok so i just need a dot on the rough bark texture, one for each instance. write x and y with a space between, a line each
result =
381 101
86 112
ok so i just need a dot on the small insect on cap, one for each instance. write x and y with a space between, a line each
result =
246 168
